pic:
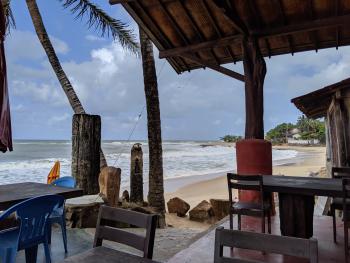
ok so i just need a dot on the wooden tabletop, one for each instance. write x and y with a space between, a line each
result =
11 194
104 255
303 185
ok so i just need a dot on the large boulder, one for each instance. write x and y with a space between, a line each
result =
109 182
221 208
178 206
82 212
203 212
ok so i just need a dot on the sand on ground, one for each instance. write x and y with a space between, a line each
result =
309 159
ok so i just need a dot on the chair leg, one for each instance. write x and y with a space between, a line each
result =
47 252
239 221
64 234
269 222
334 225
8 255
231 221
263 223
346 242
31 254
49 232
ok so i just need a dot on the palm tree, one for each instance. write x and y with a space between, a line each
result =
98 19
156 184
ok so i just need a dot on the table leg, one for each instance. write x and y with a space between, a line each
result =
296 215
31 254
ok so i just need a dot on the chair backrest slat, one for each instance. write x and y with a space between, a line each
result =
120 236
303 248
104 229
339 172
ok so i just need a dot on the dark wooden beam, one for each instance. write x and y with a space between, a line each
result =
313 34
220 69
150 21
231 15
225 41
115 2
216 28
280 6
303 27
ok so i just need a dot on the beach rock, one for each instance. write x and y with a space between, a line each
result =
125 196
82 212
109 182
203 212
221 208
178 206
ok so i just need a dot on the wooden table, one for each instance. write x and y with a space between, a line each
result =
11 194
297 199
104 255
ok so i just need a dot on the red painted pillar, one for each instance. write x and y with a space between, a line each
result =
254 157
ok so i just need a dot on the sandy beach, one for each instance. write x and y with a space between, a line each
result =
197 188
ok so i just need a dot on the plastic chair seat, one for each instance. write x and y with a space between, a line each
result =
9 237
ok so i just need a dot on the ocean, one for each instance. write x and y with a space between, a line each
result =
31 161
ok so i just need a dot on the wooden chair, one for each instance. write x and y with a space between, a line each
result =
260 209
104 230
337 203
291 246
346 210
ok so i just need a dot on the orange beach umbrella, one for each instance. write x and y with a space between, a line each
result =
54 173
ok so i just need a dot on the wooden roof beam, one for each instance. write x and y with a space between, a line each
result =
313 34
284 22
216 28
304 27
225 41
115 2
220 69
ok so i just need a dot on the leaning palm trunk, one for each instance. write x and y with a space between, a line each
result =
156 184
56 65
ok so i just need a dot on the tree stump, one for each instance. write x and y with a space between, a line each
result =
86 144
136 174
109 181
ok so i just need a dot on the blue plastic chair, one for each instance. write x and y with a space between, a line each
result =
58 216
33 215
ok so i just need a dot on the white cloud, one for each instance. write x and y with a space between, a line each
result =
94 38
59 119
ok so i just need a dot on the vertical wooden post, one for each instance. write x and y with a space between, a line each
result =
254 72
136 174
86 145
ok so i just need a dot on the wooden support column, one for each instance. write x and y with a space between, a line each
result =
86 145
254 71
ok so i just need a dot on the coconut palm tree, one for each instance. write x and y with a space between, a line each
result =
96 18
156 184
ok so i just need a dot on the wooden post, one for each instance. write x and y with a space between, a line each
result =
86 144
254 71
136 174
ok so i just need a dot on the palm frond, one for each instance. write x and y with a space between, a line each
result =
102 22
10 19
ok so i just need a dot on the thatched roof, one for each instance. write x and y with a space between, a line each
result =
197 33
316 104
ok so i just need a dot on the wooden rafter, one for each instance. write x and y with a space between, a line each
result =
280 7
303 27
150 21
313 34
265 33
217 30
225 41
220 69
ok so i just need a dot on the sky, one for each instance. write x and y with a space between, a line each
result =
200 105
